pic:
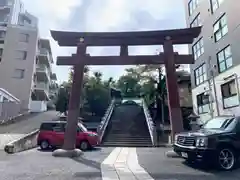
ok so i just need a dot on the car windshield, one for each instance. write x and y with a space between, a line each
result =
82 127
218 123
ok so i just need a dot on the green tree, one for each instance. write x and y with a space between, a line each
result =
62 99
129 85
97 94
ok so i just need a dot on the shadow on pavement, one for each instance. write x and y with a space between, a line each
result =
88 162
208 168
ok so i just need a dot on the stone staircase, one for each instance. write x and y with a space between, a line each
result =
127 128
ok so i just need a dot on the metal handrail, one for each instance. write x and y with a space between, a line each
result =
103 125
150 123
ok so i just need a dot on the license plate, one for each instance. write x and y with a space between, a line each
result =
185 155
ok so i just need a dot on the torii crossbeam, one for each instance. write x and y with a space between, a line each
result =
167 38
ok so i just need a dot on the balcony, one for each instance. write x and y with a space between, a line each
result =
45 57
41 90
43 73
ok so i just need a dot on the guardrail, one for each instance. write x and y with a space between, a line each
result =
150 123
103 125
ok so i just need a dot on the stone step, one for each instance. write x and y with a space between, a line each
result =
129 137
126 145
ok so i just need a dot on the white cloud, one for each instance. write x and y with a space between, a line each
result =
103 15
53 14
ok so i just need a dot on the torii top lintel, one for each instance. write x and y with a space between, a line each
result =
178 36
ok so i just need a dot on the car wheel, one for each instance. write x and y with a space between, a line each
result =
44 145
84 145
226 159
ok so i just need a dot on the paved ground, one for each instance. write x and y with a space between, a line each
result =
14 131
160 167
105 164
37 165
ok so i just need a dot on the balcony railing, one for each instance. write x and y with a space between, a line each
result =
45 52
42 86
42 68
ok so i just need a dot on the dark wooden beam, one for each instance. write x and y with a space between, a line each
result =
118 60
178 36
124 50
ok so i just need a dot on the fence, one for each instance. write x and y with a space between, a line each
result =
9 110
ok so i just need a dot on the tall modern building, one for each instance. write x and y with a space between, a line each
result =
216 72
25 59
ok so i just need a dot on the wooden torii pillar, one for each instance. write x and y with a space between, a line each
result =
167 38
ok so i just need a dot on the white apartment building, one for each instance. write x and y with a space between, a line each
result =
216 73
25 59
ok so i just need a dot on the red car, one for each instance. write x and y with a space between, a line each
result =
51 135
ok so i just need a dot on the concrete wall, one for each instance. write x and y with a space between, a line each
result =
38 106
21 88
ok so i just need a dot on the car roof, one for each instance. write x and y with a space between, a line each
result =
54 122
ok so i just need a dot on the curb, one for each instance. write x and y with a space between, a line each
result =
26 142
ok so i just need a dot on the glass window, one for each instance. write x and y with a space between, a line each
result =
203 103
220 28
215 4
229 94
59 127
196 22
200 74
198 49
219 123
21 55
18 73
23 37
1 51
82 127
192 5
224 58
2 34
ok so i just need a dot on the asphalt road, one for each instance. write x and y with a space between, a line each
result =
15 131
31 123
38 165
154 161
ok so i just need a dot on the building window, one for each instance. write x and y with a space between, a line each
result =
215 4
196 22
224 58
23 37
198 49
200 74
21 55
2 34
203 103
220 28
192 5
229 94
18 73
1 52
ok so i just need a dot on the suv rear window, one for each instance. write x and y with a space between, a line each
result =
52 127
46 126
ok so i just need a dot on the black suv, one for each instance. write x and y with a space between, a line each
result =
217 141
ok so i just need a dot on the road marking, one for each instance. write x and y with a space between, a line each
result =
122 164
7 138
138 171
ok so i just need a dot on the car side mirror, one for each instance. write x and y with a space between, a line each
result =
201 125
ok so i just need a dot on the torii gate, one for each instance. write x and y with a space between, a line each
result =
167 38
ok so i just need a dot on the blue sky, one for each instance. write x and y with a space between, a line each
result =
105 15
